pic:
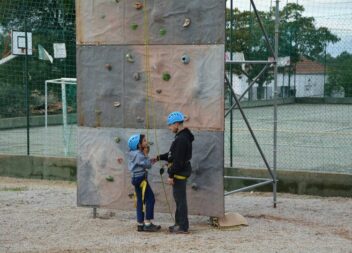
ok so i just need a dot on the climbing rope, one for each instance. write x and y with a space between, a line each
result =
148 93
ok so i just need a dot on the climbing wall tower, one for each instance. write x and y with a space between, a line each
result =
137 61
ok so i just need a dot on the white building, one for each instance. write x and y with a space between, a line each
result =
308 81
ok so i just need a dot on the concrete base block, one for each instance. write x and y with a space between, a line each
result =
38 167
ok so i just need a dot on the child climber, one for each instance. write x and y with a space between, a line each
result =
138 163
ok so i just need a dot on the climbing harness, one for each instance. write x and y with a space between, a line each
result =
147 94
143 186
179 177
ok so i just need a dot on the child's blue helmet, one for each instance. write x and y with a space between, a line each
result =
175 117
133 141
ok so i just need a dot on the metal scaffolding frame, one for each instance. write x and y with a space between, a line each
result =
274 52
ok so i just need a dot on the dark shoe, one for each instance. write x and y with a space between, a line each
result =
182 231
177 230
140 228
172 227
151 228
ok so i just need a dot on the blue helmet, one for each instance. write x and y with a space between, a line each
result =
175 117
133 141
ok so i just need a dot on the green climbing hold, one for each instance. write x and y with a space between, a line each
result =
134 26
109 179
117 139
129 58
162 32
166 76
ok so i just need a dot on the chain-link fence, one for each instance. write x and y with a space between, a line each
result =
24 100
314 85
314 82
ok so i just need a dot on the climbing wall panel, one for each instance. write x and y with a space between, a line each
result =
114 90
181 45
103 157
121 22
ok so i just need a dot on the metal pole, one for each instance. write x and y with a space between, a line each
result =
249 187
251 131
248 88
46 105
324 69
231 82
248 178
26 79
46 117
249 62
263 29
277 22
64 115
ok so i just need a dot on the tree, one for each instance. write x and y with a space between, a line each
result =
49 14
339 74
50 21
298 36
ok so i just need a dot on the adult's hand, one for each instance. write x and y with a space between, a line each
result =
170 181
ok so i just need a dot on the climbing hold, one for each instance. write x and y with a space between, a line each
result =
131 195
120 160
108 66
194 186
138 5
129 57
117 104
97 111
109 179
134 26
162 31
136 76
140 119
158 91
117 139
185 59
166 76
187 22
161 171
102 16
117 1
150 143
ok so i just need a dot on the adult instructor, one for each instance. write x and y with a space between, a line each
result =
179 169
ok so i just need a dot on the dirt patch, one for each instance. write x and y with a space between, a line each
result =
42 216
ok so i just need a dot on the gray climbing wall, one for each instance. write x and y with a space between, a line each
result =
118 42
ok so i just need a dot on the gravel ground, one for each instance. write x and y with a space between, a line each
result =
42 216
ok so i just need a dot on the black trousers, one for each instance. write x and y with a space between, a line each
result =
180 196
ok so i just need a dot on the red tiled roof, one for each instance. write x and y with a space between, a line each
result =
306 66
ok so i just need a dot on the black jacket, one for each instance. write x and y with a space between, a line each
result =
180 154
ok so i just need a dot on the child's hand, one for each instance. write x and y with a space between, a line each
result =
146 150
153 160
